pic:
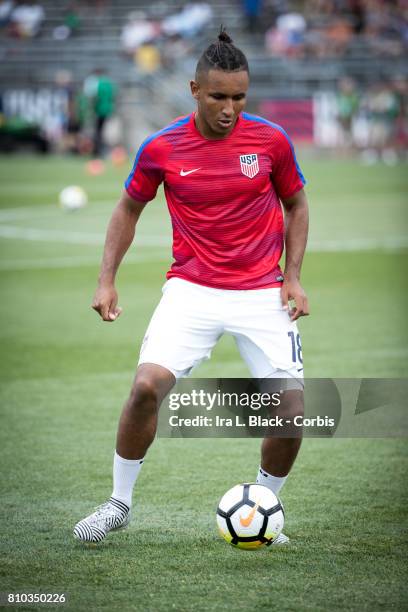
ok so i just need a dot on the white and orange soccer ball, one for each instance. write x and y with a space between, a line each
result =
73 198
250 516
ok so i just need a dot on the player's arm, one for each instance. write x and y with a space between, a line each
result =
119 236
297 225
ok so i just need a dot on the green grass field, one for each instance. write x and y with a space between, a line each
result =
65 375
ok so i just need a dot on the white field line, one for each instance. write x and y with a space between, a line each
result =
52 211
41 235
87 238
76 262
387 243
72 237
380 353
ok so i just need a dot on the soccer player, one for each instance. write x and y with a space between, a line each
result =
225 175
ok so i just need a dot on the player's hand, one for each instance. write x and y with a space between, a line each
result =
292 290
105 302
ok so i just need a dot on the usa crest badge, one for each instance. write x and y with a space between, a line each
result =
249 164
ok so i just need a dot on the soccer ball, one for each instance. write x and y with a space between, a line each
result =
249 516
73 198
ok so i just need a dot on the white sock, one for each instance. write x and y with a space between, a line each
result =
125 473
274 483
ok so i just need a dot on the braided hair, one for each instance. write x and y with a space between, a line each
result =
222 55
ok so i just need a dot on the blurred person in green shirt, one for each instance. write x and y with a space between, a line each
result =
347 107
102 91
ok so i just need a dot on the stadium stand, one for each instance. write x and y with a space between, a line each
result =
295 48
97 40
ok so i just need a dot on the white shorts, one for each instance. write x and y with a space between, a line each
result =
191 318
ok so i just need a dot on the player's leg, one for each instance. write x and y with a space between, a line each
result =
269 342
138 421
97 144
278 454
136 431
180 335
137 427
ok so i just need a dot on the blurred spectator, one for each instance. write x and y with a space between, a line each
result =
379 26
357 15
347 109
101 92
137 31
400 87
2 117
71 24
383 109
173 49
287 37
252 10
386 27
6 9
26 19
189 22
76 139
73 121
148 59
338 36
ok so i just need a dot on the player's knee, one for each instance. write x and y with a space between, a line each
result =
143 395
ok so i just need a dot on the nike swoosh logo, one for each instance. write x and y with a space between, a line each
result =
184 173
247 520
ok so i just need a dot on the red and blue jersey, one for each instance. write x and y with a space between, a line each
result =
223 197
